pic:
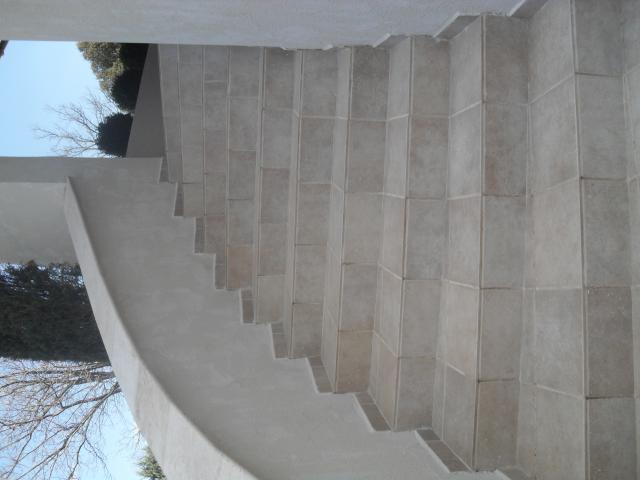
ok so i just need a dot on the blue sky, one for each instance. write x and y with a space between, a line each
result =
34 75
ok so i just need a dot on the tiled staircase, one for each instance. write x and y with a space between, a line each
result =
407 217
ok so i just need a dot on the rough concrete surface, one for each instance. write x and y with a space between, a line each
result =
274 23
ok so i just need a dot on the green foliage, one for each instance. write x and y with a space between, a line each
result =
124 90
118 68
113 134
45 314
133 55
105 61
149 467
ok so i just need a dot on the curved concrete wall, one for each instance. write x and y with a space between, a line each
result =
183 451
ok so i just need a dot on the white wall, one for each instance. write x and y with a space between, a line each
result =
32 223
275 23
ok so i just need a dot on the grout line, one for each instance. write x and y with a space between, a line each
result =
483 139
551 88
292 203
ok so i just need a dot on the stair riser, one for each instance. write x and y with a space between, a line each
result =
413 234
485 243
314 118
272 179
355 218
580 411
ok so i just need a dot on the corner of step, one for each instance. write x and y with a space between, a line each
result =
526 8
439 450
369 410
319 374
456 24
512 473
388 41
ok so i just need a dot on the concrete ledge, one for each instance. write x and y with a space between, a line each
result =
278 23
32 225
58 169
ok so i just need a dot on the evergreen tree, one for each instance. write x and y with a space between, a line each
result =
133 55
125 88
113 134
149 468
105 61
45 314
57 388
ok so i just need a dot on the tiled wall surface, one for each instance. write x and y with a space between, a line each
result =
450 226
210 110
272 177
244 120
577 353
216 168
631 83
314 115
413 233
355 218
190 77
478 355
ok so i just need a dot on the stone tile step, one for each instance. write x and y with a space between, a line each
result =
441 451
320 377
371 412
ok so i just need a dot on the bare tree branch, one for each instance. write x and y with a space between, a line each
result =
51 415
76 132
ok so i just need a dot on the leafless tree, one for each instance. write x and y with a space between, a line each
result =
51 416
76 132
